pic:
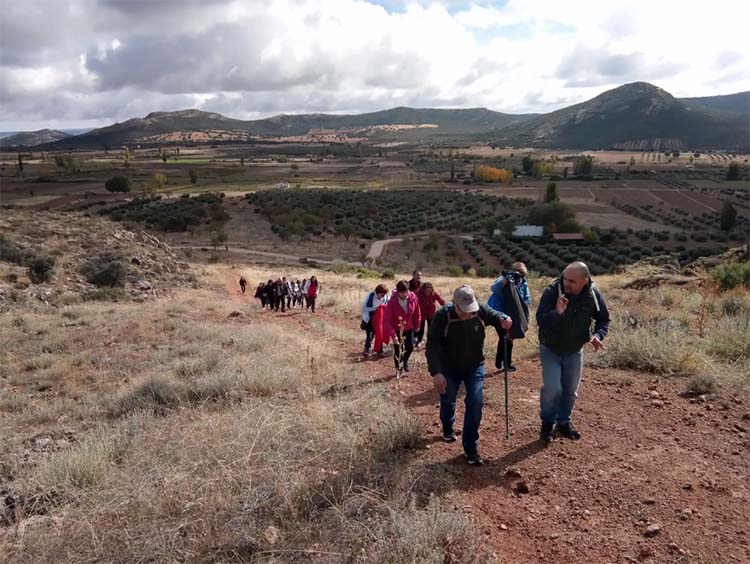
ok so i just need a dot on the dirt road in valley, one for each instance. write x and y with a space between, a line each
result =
657 477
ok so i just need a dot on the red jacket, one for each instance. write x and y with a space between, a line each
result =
427 306
395 317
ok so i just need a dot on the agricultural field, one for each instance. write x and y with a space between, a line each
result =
331 201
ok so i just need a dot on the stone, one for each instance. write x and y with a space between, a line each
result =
503 527
686 514
652 530
272 535
235 313
521 487
144 285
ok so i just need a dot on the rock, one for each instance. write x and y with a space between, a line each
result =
649 501
740 428
653 394
272 535
512 472
746 416
645 551
235 313
652 530
42 442
503 527
657 403
136 261
144 285
687 486
686 514
521 487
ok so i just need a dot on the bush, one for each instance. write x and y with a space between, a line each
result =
156 394
193 174
388 274
701 384
105 295
729 339
105 270
661 348
11 252
732 275
41 269
118 184
455 270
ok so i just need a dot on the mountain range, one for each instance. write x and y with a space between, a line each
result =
633 115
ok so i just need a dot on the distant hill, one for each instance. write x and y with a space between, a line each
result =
634 113
738 103
33 138
637 115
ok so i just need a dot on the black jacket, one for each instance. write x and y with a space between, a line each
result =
567 333
453 343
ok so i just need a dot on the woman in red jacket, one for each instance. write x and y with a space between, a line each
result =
400 320
428 297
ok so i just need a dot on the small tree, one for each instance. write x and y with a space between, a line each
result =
583 165
345 229
193 175
164 157
733 173
551 194
118 184
20 162
728 216
105 270
527 163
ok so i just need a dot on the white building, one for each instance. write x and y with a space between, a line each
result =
528 231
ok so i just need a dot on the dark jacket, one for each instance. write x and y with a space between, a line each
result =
453 343
567 333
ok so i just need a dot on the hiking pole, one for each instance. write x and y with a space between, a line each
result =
505 365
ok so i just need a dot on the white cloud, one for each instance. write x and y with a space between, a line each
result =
107 60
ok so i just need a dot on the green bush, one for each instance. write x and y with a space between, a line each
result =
455 270
388 274
732 275
11 252
105 270
41 269
118 184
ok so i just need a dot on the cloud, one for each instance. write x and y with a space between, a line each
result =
108 60
589 67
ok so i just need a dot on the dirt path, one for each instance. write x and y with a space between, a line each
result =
377 248
648 457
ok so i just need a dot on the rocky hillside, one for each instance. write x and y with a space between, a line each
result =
33 138
149 267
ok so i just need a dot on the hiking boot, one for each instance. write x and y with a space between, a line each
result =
545 435
406 367
512 368
474 459
449 437
568 431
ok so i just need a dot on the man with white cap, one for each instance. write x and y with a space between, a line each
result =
455 354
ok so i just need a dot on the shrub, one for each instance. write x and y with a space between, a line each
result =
105 270
729 339
732 275
11 252
118 184
455 270
41 269
156 394
661 348
701 384
105 295
193 174
388 274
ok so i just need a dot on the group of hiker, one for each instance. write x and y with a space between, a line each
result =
283 294
455 341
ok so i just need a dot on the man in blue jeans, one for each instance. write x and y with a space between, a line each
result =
455 354
566 310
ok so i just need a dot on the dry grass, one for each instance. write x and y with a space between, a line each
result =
200 439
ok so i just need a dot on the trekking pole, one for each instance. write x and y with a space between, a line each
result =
505 365
400 350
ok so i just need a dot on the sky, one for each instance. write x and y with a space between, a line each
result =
89 63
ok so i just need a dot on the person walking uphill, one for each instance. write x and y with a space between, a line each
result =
566 310
372 303
243 284
311 291
510 294
400 321
455 354
428 297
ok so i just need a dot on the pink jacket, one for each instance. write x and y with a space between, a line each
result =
394 315
427 303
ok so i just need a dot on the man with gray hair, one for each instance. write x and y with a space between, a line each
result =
565 313
455 354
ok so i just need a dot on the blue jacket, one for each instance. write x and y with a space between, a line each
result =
496 298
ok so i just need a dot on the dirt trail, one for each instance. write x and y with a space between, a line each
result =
648 456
